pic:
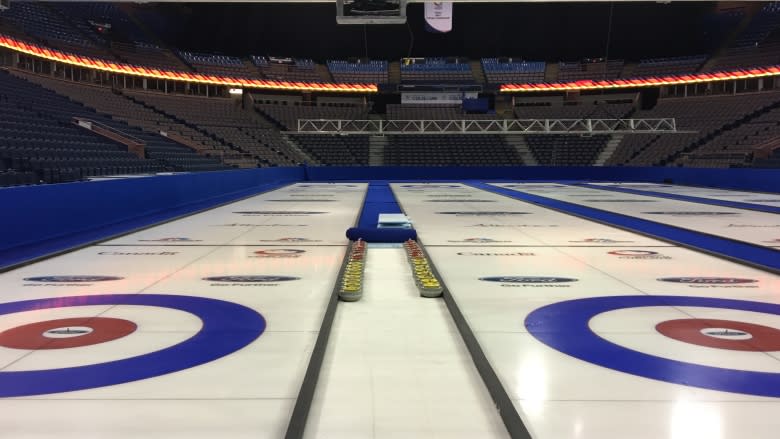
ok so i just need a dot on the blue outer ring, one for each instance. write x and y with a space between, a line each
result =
227 327
564 327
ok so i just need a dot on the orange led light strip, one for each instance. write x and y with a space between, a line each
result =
148 72
651 81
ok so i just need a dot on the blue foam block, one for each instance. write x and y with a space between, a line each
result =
370 234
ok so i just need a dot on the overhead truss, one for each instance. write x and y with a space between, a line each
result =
503 126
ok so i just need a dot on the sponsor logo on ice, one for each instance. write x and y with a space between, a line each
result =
638 254
170 240
600 241
683 213
277 212
483 213
72 278
477 240
279 253
708 280
529 280
495 254
251 278
290 240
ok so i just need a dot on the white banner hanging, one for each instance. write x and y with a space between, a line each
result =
438 16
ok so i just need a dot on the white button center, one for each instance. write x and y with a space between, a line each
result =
68 332
727 333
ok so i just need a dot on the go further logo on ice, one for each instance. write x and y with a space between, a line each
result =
529 281
637 254
249 281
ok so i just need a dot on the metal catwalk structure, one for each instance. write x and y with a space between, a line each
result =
503 126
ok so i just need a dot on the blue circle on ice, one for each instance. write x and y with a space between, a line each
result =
564 327
227 327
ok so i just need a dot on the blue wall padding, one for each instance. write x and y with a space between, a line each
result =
372 234
379 199
765 180
39 220
753 254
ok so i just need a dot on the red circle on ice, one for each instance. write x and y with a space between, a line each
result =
722 334
66 333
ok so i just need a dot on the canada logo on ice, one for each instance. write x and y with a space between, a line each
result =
290 240
600 241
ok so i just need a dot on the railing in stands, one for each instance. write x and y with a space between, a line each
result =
764 150
134 144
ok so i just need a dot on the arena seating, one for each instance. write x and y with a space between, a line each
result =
436 70
10 177
106 21
566 150
47 23
450 150
581 111
225 121
590 69
361 71
289 69
735 144
761 26
218 65
757 45
507 70
708 118
765 54
149 55
669 66
335 150
287 115
37 136
173 155
434 112
773 161
133 113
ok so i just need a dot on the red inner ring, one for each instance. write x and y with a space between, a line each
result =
30 336
765 338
